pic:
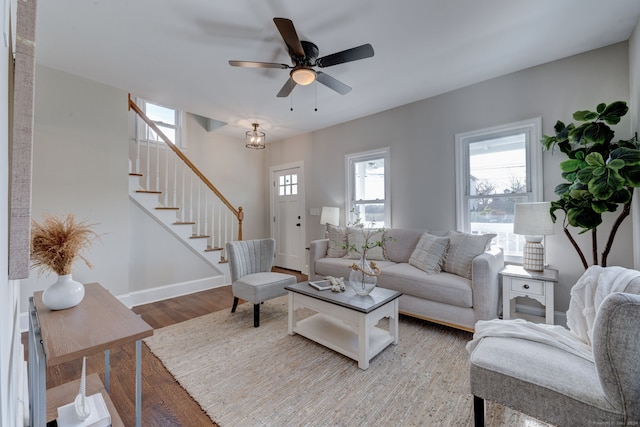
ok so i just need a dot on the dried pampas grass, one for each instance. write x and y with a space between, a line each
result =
56 243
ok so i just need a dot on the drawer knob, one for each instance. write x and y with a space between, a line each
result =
526 286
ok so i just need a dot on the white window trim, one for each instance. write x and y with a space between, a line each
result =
181 140
349 161
534 163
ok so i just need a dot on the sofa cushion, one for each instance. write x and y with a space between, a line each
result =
337 247
400 243
442 287
429 253
463 248
340 267
356 237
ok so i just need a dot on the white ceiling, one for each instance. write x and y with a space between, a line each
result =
177 52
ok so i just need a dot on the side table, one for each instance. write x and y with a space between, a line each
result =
98 323
537 285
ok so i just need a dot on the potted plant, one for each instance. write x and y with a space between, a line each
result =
600 174
56 244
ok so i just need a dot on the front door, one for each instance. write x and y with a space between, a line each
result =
288 216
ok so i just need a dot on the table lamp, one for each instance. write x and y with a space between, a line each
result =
329 215
533 220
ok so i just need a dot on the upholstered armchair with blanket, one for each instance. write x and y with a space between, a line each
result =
588 374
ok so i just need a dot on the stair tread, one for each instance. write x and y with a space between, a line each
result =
135 174
184 223
149 191
169 208
213 249
199 236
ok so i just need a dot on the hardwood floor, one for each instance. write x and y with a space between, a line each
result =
164 401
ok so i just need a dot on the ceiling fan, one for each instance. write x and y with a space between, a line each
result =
304 56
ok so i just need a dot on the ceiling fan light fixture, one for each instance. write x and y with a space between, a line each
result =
303 76
255 139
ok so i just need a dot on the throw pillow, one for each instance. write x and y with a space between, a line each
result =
429 253
356 237
337 241
463 248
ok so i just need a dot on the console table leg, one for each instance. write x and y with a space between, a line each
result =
107 371
138 383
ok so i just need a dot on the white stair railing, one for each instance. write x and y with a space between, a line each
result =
180 186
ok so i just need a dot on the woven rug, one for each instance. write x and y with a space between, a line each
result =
246 376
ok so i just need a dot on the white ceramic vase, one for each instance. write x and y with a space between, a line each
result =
64 293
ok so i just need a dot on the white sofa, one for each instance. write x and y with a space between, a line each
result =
441 297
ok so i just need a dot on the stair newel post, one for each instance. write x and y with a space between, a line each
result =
240 219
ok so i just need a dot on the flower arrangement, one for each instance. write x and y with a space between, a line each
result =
56 243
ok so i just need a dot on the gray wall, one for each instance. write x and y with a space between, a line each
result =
421 138
634 99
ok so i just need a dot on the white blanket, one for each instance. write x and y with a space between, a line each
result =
589 292
586 296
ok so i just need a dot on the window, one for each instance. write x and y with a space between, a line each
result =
368 188
497 168
288 185
168 120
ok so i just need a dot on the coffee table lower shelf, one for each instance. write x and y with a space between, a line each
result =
339 337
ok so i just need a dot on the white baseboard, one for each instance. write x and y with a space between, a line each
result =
159 293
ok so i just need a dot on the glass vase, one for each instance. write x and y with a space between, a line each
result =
363 281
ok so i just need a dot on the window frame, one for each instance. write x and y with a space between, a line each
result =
179 126
533 130
350 161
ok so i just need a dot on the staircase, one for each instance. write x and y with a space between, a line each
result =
169 188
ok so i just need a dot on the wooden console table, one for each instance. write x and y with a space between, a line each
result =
99 323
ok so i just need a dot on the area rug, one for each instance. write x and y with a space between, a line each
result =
246 376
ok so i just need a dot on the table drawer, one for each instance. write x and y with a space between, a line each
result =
524 286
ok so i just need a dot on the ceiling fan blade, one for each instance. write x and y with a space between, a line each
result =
287 88
353 54
254 64
289 35
332 83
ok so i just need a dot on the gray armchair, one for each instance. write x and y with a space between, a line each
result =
250 263
562 388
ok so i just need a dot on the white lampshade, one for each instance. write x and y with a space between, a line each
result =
533 220
330 215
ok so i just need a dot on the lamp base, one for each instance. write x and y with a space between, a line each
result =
533 256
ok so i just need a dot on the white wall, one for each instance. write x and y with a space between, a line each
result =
80 166
634 101
421 138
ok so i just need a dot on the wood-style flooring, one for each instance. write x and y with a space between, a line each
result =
164 401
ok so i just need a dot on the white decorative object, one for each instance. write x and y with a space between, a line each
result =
337 284
64 293
363 276
82 408
533 220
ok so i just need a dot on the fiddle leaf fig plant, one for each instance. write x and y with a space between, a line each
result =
599 174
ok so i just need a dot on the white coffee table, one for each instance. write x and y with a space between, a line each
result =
345 322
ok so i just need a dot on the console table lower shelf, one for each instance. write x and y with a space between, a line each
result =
64 394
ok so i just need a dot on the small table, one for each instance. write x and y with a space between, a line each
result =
537 285
344 321
98 323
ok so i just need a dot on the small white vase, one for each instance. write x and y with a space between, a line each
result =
64 293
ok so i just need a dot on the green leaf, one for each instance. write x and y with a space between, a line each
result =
616 164
603 187
585 116
599 207
597 133
631 176
630 156
621 196
600 108
594 159
585 218
562 189
570 165
614 111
